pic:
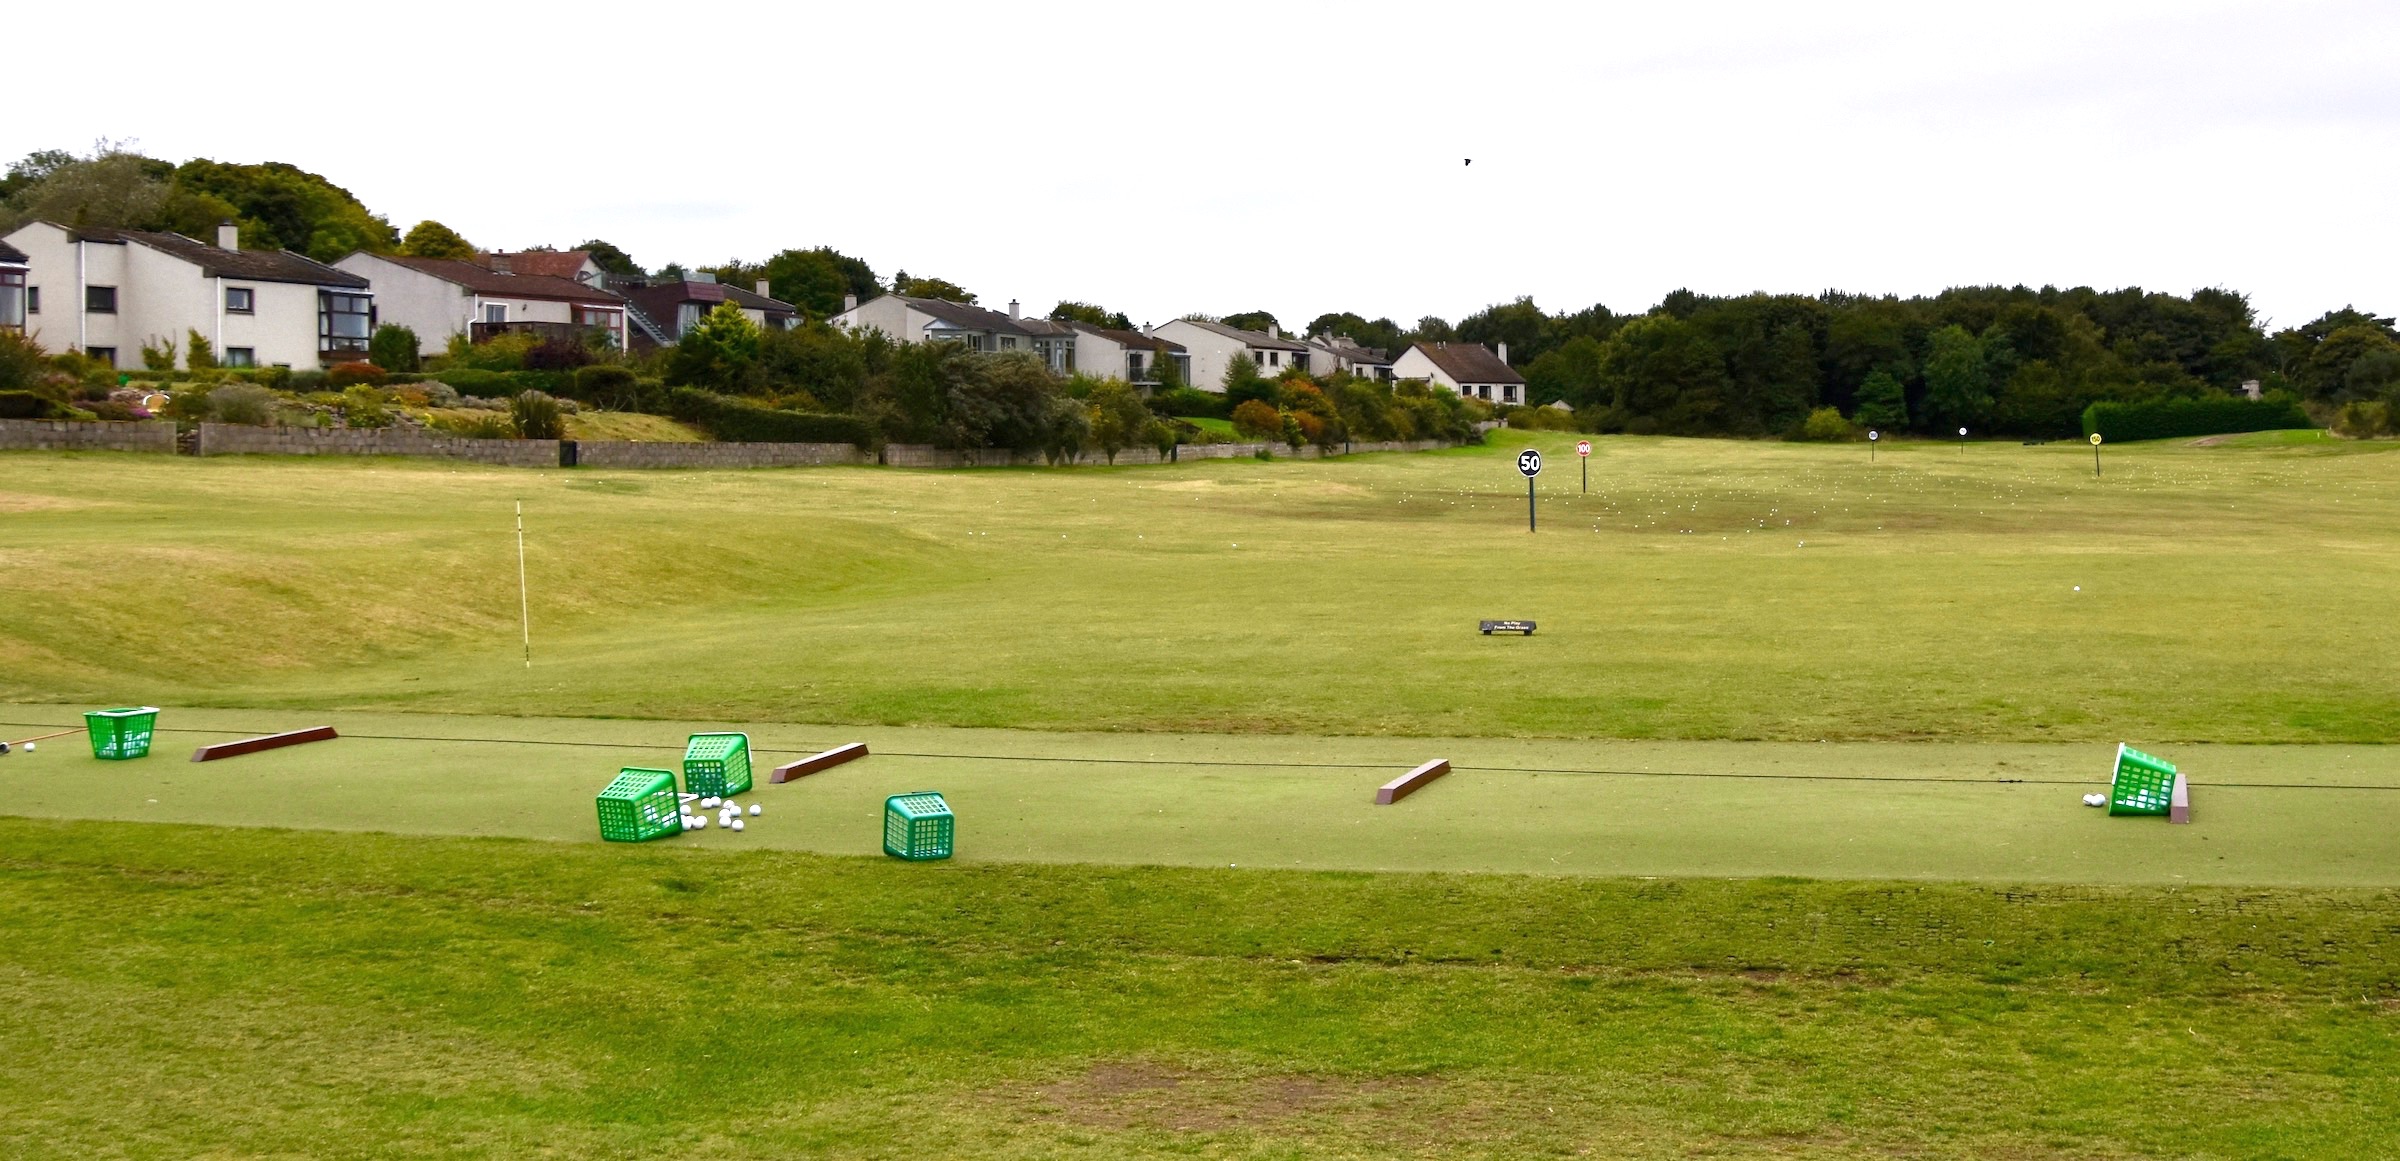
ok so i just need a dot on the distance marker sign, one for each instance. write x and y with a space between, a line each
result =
1583 447
1529 462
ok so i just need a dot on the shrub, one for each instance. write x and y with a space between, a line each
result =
1172 402
362 406
2360 419
311 380
354 374
556 354
1258 419
476 381
27 405
613 387
393 348
246 403
2176 418
1824 425
1541 419
200 354
160 357
499 353
537 416
493 426
737 422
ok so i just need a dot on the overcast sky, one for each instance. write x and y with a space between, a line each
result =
1302 158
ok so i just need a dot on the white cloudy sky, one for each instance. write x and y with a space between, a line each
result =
1303 157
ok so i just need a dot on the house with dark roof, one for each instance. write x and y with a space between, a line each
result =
112 292
441 297
572 265
1211 348
672 306
1470 369
13 266
1340 353
1137 358
904 319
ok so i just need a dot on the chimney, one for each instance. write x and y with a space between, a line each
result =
500 264
849 303
229 236
762 289
1012 308
1274 332
2250 388
1504 352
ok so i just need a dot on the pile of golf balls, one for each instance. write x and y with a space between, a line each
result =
2095 800
728 812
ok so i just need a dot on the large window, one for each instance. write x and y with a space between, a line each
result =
241 356
240 300
106 355
12 299
100 299
495 312
344 321
33 300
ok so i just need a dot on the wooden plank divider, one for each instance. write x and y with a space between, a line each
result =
1409 783
216 750
816 762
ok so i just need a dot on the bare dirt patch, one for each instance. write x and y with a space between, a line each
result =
1121 1095
27 502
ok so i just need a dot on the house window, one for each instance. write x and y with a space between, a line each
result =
240 300
12 299
497 312
605 319
100 299
106 355
1008 342
33 300
344 321
1484 392
241 356
1508 394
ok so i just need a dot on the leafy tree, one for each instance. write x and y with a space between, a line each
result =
1251 320
393 348
903 284
1258 419
720 353
1520 324
1119 418
1570 373
1084 312
431 239
1958 387
813 280
199 353
1882 402
1431 329
830 366
159 356
1168 370
1664 374
609 258
113 187
1381 334
283 206
1243 382
2327 375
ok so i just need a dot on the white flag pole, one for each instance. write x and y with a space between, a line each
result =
524 604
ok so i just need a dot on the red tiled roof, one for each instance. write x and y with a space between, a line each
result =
551 263
482 281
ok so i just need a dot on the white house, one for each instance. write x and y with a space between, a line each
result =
12 288
1109 353
1212 347
441 297
1335 353
1470 369
916 320
112 292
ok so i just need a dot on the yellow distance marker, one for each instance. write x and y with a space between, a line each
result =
2095 455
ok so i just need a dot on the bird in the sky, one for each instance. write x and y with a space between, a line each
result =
1470 161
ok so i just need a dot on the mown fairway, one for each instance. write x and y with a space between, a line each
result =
1772 966
1705 589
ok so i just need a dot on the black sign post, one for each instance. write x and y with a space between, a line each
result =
1529 462
1583 455
1872 436
2095 455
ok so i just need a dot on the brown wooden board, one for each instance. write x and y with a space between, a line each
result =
216 750
814 763
1409 783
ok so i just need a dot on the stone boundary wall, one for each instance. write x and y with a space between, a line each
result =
223 439
646 454
86 435
902 455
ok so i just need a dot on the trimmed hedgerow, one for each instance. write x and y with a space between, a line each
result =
2177 418
733 421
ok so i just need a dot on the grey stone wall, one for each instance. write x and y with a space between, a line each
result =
223 439
924 456
86 435
645 454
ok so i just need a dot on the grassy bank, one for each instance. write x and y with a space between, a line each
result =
196 991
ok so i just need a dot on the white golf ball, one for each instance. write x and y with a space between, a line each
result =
2079 588
699 824
28 747
709 802
737 824
754 810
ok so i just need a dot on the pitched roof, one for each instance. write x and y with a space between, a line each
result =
1253 338
538 286
752 300
1134 340
10 253
1469 362
1349 348
554 263
959 314
216 262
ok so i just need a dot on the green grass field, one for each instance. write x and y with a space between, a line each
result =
1767 845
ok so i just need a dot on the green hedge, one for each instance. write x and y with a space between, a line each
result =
734 421
2177 418
27 405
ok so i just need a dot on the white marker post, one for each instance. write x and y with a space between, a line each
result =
1872 436
2095 455
524 603
1583 453
1529 462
